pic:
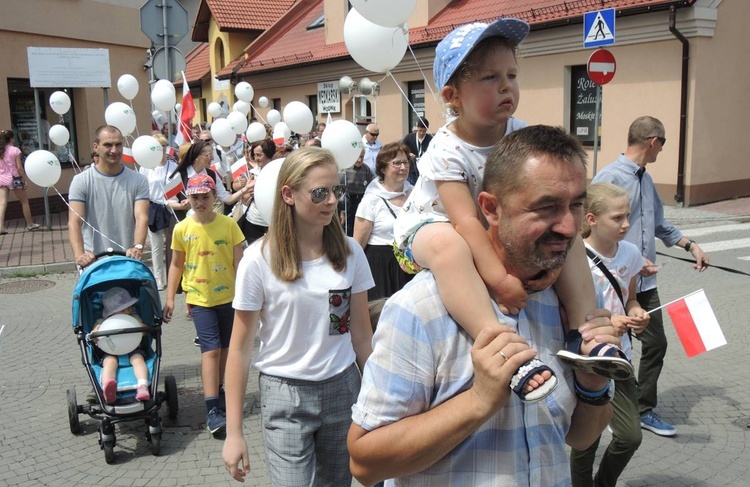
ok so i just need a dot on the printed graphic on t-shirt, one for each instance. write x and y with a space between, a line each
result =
339 301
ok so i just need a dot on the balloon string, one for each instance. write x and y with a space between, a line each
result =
255 110
395 81
424 76
84 221
75 163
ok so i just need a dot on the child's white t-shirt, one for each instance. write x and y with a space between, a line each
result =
304 325
448 158
626 263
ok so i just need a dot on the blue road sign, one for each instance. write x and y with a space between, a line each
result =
599 28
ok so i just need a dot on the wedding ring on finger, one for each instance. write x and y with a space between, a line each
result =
505 357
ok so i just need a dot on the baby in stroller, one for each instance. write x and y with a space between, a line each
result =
118 301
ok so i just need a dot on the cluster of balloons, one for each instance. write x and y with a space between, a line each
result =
382 24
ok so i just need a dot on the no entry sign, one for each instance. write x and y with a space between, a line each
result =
601 66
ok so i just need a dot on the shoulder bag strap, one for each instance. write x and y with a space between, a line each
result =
598 262
388 206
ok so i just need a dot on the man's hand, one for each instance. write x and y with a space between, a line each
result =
599 328
85 259
649 268
701 259
134 253
493 371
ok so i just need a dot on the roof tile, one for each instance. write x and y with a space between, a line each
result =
197 61
247 14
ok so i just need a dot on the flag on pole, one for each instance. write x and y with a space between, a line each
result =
170 151
184 134
329 120
239 168
173 187
218 169
695 323
127 155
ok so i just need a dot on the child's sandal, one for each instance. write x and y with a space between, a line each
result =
525 373
605 359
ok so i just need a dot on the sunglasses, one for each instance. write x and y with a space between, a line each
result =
398 164
663 140
319 195
373 134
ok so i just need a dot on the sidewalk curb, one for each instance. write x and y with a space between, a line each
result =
54 268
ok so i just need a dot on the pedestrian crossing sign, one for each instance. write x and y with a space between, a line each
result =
599 28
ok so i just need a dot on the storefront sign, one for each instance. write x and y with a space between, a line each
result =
329 97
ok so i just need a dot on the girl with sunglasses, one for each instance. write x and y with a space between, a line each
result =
303 289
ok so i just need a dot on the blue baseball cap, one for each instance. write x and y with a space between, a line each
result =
456 46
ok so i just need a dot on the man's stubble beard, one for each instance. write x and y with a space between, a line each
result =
530 258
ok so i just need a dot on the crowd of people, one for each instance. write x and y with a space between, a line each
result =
469 358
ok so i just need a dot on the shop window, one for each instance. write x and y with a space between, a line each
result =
28 137
277 104
583 106
416 99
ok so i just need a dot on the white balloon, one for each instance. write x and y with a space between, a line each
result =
59 135
238 122
241 106
221 131
263 102
388 13
343 139
214 109
121 116
147 151
127 85
244 91
282 130
60 102
163 95
361 35
119 344
177 107
43 168
299 117
265 189
255 132
273 117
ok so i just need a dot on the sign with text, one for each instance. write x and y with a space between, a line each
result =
329 97
52 67
582 105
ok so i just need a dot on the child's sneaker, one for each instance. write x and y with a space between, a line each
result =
110 391
142 393
215 420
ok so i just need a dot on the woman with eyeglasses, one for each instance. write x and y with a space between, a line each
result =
245 212
302 288
197 160
161 218
373 224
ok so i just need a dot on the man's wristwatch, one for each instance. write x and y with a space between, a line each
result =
689 245
138 247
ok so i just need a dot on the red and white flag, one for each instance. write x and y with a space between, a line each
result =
185 133
170 151
127 155
696 324
174 187
218 169
239 168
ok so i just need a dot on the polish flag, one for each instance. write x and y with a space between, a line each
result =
127 155
239 168
173 187
170 151
696 324
218 169
185 134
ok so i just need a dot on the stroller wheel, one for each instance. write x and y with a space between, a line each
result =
75 425
170 387
156 444
109 452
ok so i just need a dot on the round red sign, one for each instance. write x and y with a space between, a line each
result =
601 66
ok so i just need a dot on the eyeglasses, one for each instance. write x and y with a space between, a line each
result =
397 163
319 195
373 134
663 140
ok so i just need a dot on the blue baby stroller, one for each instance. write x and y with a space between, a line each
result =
136 278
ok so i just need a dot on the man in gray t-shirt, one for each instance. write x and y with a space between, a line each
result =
112 199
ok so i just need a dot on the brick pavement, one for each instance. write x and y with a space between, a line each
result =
706 397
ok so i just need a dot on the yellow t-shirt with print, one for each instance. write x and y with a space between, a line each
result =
209 273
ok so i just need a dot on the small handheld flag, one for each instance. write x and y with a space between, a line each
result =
127 155
173 187
239 168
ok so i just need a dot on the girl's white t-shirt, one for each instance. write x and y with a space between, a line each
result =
626 263
304 325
